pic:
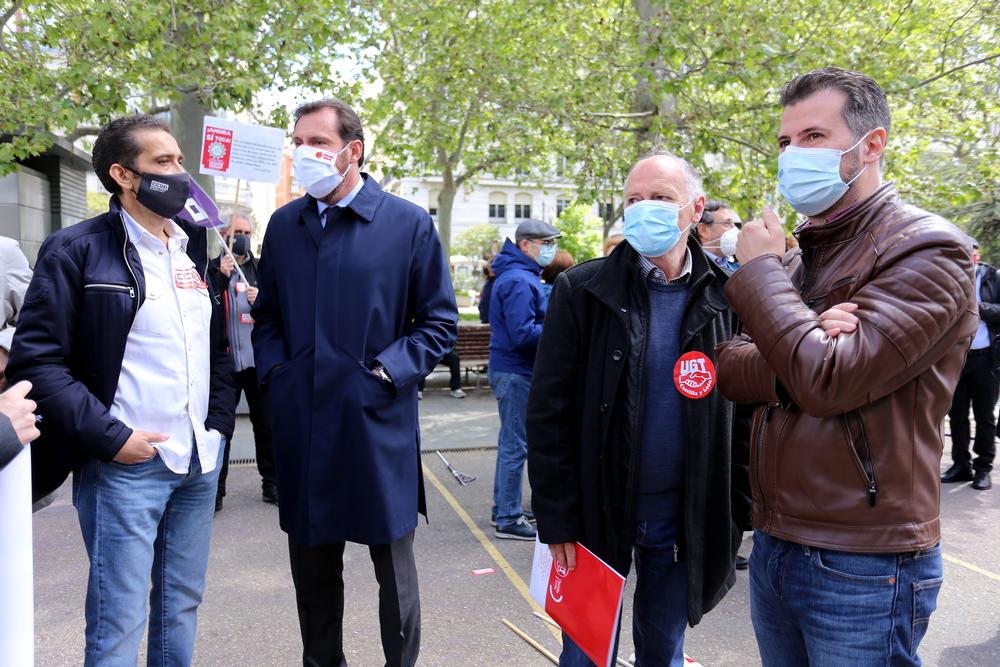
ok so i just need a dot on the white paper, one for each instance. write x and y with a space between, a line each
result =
239 150
541 570
17 620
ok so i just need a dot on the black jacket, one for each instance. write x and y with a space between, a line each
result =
582 422
989 308
88 285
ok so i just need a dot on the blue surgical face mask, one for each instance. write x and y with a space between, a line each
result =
809 178
651 226
546 254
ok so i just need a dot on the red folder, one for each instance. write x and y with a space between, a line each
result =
586 603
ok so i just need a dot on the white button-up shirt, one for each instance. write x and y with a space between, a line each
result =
164 381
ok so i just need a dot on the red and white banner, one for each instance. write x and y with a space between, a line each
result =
586 603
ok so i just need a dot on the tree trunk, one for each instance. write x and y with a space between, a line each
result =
186 117
446 200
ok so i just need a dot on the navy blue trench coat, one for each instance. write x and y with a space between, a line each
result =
371 287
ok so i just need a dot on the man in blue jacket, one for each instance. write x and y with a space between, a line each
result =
517 310
124 345
355 307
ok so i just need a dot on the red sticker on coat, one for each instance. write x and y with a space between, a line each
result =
694 375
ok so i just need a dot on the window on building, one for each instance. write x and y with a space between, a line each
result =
432 205
562 205
522 206
498 207
606 210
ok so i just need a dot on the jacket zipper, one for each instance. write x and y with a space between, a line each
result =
863 458
135 302
112 286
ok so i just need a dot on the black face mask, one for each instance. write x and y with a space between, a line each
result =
163 194
241 245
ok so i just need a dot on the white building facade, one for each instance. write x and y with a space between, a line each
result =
499 202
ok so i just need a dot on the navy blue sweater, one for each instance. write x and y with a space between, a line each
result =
661 445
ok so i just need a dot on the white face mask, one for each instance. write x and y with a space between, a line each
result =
316 169
727 242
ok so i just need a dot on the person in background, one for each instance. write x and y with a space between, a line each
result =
487 291
612 242
717 231
240 298
15 274
517 310
454 364
562 261
978 386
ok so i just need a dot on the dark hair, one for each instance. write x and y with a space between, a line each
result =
562 261
348 123
117 144
711 206
866 107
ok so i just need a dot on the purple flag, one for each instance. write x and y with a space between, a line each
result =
200 209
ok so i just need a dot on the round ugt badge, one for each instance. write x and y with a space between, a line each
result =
694 375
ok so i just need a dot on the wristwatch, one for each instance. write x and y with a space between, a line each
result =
382 374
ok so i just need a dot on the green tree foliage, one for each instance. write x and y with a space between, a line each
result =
68 66
468 87
478 241
582 232
703 80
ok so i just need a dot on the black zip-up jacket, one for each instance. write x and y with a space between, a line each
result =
989 309
583 420
87 286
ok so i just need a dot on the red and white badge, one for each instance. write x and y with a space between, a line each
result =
694 375
241 287
245 318
188 279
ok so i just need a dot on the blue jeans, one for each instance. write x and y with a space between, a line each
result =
826 608
659 608
142 522
511 391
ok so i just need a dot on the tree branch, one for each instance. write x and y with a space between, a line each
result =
90 130
640 114
16 5
955 69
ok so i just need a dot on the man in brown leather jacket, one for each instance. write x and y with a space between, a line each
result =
852 346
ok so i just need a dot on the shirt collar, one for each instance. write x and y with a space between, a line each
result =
652 272
345 201
136 231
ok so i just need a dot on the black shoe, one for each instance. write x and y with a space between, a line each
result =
218 503
522 530
742 563
270 494
982 481
958 472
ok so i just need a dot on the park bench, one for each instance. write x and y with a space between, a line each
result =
473 348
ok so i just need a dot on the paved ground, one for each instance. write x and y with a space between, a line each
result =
248 617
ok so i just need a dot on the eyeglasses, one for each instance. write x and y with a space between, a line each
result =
238 232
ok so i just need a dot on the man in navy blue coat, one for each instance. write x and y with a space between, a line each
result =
355 307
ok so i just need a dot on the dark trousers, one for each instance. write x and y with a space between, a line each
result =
979 385
260 418
453 363
318 575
